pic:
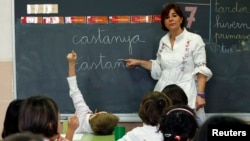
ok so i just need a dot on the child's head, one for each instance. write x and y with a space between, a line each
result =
39 115
152 107
103 123
10 125
178 123
176 94
219 121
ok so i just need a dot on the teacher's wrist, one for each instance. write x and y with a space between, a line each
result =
202 95
139 62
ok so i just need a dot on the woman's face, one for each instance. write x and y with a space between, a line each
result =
173 21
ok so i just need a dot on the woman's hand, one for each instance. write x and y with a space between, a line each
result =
131 63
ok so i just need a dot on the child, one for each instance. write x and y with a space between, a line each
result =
101 123
151 109
11 118
223 121
176 94
178 97
40 115
178 123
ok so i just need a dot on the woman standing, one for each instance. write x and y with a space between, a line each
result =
181 59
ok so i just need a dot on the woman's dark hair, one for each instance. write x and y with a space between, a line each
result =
165 13
39 115
10 125
178 123
152 106
176 94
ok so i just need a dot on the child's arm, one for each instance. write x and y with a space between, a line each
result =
82 109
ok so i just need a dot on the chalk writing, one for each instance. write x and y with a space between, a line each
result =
231 36
224 49
233 25
101 64
102 38
225 40
220 48
234 9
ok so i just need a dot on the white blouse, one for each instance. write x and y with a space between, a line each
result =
180 64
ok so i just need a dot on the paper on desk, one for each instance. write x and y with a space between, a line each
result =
75 137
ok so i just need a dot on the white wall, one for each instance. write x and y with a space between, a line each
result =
6 30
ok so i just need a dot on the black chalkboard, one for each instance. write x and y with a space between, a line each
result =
41 49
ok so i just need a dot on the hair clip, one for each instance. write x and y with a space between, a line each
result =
180 109
167 135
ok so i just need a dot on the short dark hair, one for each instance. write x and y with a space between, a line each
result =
103 123
39 115
152 106
178 121
10 125
176 94
165 12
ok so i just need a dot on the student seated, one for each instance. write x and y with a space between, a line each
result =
150 111
220 121
178 123
10 125
176 94
101 123
178 97
40 115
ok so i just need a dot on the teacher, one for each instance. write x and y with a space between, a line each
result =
180 59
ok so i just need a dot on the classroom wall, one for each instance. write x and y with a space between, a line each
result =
6 58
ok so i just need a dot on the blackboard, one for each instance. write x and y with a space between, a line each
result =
41 49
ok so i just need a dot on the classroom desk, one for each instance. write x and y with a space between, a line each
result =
92 137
